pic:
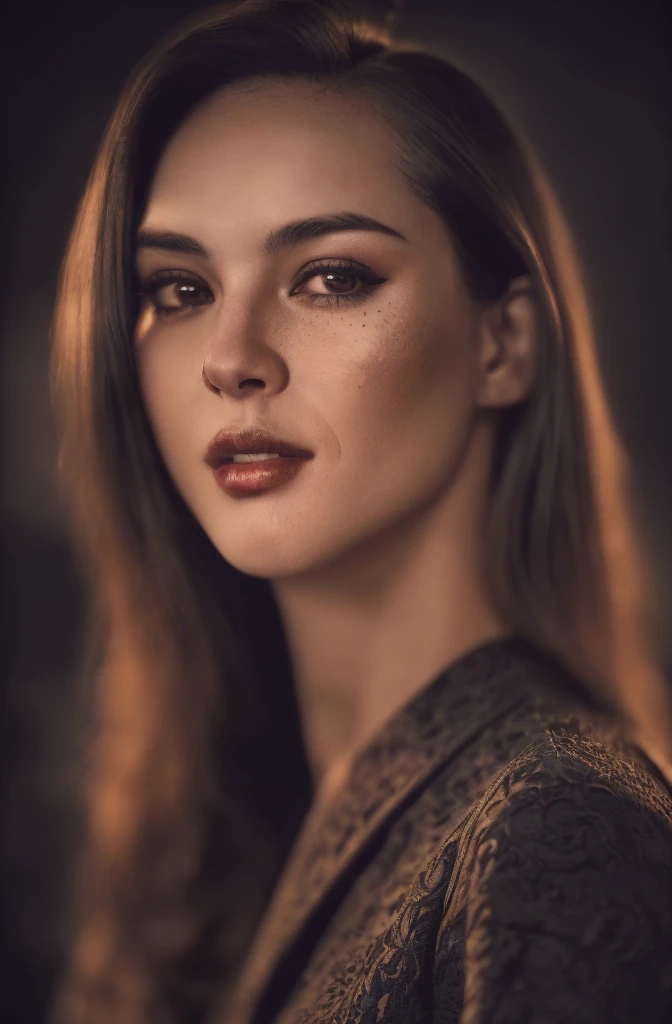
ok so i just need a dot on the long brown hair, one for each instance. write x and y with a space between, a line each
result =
186 827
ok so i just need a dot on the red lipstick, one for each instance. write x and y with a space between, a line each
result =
253 475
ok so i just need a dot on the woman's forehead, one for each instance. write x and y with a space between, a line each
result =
268 153
275 132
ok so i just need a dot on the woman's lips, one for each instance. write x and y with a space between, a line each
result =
255 477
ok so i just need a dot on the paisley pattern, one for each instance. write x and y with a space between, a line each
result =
569 901
497 854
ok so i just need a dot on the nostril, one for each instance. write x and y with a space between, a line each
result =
253 381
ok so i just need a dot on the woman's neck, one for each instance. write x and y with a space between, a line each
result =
368 633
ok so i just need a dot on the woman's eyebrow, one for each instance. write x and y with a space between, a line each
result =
299 231
172 241
288 235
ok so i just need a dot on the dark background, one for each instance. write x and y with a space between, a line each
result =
589 84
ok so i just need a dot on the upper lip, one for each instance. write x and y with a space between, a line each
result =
251 440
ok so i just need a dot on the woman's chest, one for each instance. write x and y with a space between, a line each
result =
365 950
375 958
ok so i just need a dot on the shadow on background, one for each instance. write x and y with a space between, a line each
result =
589 83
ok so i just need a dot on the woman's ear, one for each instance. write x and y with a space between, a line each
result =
508 347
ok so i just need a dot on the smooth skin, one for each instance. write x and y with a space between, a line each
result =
375 551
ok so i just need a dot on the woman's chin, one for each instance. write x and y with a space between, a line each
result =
268 561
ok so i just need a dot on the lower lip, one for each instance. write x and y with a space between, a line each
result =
255 477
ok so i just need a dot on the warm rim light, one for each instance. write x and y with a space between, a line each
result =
639 682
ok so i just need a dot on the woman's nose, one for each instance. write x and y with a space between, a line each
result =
242 361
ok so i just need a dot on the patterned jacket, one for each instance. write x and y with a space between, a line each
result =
498 854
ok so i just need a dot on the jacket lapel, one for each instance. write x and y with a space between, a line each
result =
407 753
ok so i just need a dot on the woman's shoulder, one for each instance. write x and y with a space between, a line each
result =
579 794
567 883
567 742
585 756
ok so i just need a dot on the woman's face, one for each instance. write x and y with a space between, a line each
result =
374 369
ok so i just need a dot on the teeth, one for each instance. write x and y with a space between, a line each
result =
258 457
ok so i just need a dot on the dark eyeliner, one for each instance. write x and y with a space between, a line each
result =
363 273
150 288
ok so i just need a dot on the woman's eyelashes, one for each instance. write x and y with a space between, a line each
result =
335 281
339 280
170 291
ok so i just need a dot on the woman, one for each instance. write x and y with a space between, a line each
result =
372 622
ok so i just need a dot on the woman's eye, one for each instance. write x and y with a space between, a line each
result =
169 292
337 282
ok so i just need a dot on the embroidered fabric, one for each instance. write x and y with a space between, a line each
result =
565 910
499 854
